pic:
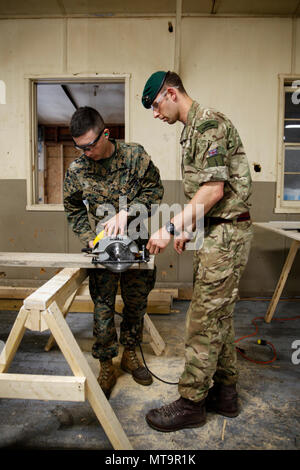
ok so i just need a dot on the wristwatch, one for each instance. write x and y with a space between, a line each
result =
170 228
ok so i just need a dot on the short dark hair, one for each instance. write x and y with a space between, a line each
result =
173 79
84 119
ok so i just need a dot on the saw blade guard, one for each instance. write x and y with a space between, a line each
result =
115 253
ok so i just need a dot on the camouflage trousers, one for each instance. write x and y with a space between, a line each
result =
210 354
135 287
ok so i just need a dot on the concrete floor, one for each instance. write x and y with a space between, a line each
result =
268 394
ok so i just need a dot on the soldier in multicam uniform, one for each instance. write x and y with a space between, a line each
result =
105 171
216 177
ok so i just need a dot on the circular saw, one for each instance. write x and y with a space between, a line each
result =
117 253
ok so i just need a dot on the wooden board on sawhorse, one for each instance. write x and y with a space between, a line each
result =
41 311
282 280
75 260
289 230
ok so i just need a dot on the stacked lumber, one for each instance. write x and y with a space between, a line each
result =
160 301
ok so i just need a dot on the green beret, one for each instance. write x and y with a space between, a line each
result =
153 86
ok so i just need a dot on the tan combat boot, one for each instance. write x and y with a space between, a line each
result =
131 364
107 377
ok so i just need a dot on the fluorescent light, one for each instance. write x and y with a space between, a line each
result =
292 126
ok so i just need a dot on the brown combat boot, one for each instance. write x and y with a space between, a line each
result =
223 399
131 364
107 377
180 414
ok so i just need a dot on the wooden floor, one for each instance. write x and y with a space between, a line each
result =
268 394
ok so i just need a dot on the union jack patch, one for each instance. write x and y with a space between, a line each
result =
213 152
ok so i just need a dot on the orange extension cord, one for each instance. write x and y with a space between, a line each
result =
261 341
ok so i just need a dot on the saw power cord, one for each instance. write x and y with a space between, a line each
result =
241 351
144 361
261 342
111 307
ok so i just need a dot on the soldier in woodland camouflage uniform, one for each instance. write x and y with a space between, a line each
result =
109 172
215 175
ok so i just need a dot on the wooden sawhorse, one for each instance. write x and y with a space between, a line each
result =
46 309
285 229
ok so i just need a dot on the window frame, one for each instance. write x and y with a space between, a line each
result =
31 124
283 206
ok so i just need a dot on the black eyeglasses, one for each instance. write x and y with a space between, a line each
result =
89 146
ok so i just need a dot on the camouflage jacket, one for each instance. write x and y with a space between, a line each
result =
213 151
88 185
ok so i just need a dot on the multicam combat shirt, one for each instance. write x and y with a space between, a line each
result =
213 151
89 184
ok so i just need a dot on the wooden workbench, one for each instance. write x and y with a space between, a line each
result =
45 309
294 235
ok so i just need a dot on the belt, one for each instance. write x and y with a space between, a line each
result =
208 221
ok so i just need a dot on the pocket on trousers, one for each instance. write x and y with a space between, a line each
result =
215 266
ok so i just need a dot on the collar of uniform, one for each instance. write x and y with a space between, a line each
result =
117 163
189 121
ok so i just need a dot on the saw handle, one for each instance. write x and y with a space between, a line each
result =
87 250
95 242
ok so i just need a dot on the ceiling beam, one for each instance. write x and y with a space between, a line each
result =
212 11
69 95
61 6
214 7
297 10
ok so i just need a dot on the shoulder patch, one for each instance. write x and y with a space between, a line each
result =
217 160
206 125
216 156
220 150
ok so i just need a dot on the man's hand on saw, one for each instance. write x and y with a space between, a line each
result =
116 224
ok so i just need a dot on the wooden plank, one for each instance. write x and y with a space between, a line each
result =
58 288
9 304
8 292
85 305
154 294
13 340
173 292
185 293
65 310
282 280
54 162
12 282
278 227
59 260
159 300
42 387
157 343
80 367
162 305
33 321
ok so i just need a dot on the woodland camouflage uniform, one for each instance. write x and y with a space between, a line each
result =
212 151
130 174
